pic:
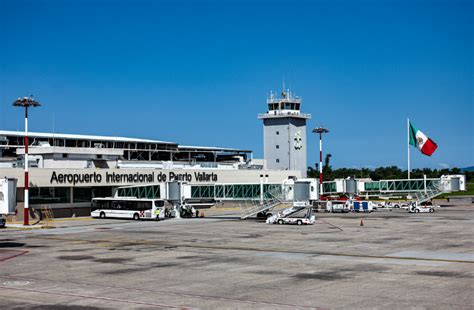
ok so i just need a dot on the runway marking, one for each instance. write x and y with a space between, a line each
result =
91 297
241 248
9 254
61 220
169 293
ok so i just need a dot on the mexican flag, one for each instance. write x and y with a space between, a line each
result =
421 141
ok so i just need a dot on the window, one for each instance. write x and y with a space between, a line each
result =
64 155
278 133
49 195
277 146
81 194
277 160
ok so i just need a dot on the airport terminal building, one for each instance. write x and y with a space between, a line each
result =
66 171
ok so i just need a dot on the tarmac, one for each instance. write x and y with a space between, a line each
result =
396 260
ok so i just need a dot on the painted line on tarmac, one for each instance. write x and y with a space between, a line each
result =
326 253
63 220
23 289
250 249
15 253
171 293
23 228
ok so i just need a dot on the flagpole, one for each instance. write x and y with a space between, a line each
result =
408 145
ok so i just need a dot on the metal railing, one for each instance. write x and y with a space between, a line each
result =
272 199
279 114
431 192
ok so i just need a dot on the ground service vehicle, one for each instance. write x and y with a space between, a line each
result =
7 199
297 214
363 206
187 211
128 207
338 206
421 208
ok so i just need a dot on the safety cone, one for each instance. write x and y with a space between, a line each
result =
361 222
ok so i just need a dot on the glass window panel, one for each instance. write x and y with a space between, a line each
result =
82 194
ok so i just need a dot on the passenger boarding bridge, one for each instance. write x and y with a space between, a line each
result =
259 199
216 192
379 187
259 191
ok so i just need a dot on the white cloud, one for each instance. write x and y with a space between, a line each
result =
444 165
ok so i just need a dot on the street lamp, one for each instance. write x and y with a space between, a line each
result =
320 130
26 102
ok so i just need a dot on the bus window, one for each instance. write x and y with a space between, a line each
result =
140 205
100 204
159 203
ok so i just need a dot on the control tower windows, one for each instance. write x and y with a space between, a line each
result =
272 106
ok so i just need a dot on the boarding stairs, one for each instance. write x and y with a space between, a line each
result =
431 192
47 217
273 198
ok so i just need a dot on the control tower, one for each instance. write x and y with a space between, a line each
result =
284 133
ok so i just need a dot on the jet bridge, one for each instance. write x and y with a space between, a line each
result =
429 187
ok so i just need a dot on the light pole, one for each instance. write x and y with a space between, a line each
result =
26 102
320 130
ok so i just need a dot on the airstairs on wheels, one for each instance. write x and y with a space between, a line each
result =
431 192
273 198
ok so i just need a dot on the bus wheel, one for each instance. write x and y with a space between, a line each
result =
136 217
299 222
280 222
102 215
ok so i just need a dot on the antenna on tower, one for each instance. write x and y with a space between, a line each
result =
283 92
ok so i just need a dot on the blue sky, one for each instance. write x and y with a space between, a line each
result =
198 72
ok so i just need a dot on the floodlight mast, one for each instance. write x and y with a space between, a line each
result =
26 102
320 130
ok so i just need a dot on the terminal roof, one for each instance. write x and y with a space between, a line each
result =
80 137
59 136
211 148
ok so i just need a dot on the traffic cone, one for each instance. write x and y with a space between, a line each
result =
361 222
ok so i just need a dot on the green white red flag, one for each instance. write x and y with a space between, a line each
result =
421 141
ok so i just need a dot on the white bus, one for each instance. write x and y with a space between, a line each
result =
128 207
